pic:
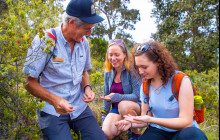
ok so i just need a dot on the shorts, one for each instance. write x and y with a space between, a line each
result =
114 110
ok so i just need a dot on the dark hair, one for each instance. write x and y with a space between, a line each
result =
166 63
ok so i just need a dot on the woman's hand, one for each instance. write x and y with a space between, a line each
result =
108 97
123 125
138 119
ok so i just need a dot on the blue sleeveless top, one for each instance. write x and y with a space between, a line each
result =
162 107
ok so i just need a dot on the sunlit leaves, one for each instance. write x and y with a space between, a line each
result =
98 48
207 85
18 26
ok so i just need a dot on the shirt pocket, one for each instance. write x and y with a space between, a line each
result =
54 67
81 64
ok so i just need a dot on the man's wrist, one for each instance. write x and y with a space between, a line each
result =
84 89
54 99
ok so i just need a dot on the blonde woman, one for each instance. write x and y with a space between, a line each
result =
121 89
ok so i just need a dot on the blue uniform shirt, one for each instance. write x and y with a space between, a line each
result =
60 78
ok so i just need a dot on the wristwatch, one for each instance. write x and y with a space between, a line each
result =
86 87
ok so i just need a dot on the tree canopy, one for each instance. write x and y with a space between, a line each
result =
118 19
190 30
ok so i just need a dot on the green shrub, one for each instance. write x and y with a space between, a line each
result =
207 86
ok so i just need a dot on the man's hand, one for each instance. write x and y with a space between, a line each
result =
62 106
108 97
89 95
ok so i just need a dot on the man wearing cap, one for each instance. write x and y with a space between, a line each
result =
64 82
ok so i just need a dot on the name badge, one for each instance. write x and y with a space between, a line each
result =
58 59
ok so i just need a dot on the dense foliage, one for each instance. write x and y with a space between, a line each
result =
190 30
118 19
19 22
98 48
207 85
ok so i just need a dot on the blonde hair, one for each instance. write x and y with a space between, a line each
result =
127 61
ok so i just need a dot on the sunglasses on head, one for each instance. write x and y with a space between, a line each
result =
116 41
145 48
119 42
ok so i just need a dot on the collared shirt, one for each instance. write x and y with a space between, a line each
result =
60 78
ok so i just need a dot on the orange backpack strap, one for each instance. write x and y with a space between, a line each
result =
146 87
53 35
176 82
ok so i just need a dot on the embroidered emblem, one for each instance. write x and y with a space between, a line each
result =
58 59
92 9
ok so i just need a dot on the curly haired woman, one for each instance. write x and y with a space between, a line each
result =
165 117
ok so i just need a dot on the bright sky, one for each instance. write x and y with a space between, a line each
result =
146 26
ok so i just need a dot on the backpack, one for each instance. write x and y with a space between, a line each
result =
53 36
176 82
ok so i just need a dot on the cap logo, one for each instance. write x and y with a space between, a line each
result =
92 9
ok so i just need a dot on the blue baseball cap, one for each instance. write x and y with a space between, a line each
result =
84 10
